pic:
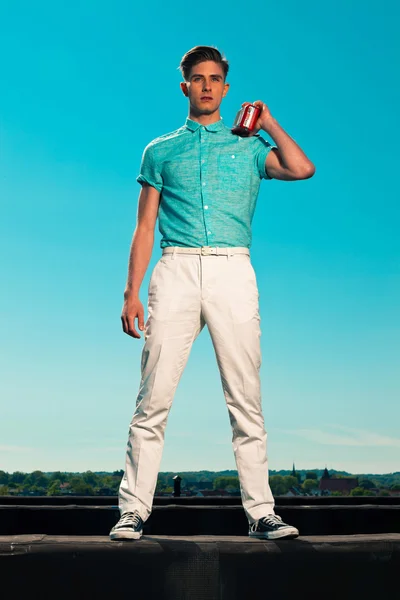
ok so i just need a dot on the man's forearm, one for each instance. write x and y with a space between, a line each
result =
139 258
292 155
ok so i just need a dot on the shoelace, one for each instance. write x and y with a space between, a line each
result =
270 520
130 518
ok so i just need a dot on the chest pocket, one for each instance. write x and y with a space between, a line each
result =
234 169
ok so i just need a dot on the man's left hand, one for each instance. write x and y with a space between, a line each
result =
264 118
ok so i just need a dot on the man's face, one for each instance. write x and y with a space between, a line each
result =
205 87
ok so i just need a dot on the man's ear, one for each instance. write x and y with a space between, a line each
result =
226 90
184 87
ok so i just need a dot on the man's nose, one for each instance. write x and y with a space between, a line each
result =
206 86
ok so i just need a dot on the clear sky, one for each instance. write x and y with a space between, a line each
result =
84 87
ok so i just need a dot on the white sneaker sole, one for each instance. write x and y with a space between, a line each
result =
125 535
287 532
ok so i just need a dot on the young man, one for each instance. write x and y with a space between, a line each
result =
202 183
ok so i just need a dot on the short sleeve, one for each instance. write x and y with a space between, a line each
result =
150 169
261 150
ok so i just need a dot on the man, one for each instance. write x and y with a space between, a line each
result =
202 183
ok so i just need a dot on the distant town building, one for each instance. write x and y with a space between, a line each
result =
64 488
216 493
296 491
337 484
199 485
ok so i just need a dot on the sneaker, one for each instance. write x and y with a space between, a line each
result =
272 527
129 527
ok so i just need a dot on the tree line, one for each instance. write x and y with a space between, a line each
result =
103 483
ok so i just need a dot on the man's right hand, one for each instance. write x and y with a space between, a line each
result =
132 309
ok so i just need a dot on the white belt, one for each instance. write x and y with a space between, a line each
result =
206 250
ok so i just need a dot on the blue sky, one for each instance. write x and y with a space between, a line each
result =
84 87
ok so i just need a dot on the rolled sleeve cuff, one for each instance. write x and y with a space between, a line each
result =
142 179
262 157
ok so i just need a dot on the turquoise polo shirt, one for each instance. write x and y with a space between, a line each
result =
209 181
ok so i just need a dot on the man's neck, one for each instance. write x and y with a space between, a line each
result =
205 119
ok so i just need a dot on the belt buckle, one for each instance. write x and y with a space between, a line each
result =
207 250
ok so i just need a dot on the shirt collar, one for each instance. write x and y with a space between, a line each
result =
194 125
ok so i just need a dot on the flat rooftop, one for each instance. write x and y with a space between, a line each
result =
59 550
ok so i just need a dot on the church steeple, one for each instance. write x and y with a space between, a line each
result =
294 474
325 474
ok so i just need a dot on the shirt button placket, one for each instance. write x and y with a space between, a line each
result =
203 177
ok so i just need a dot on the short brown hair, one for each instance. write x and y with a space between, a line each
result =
200 54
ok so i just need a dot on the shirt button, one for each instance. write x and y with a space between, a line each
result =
209 232
204 183
203 161
206 207
233 156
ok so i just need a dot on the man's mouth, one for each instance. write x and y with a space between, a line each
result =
204 98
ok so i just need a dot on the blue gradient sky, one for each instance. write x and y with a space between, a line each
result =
84 87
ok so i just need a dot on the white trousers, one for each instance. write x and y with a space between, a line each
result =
185 293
